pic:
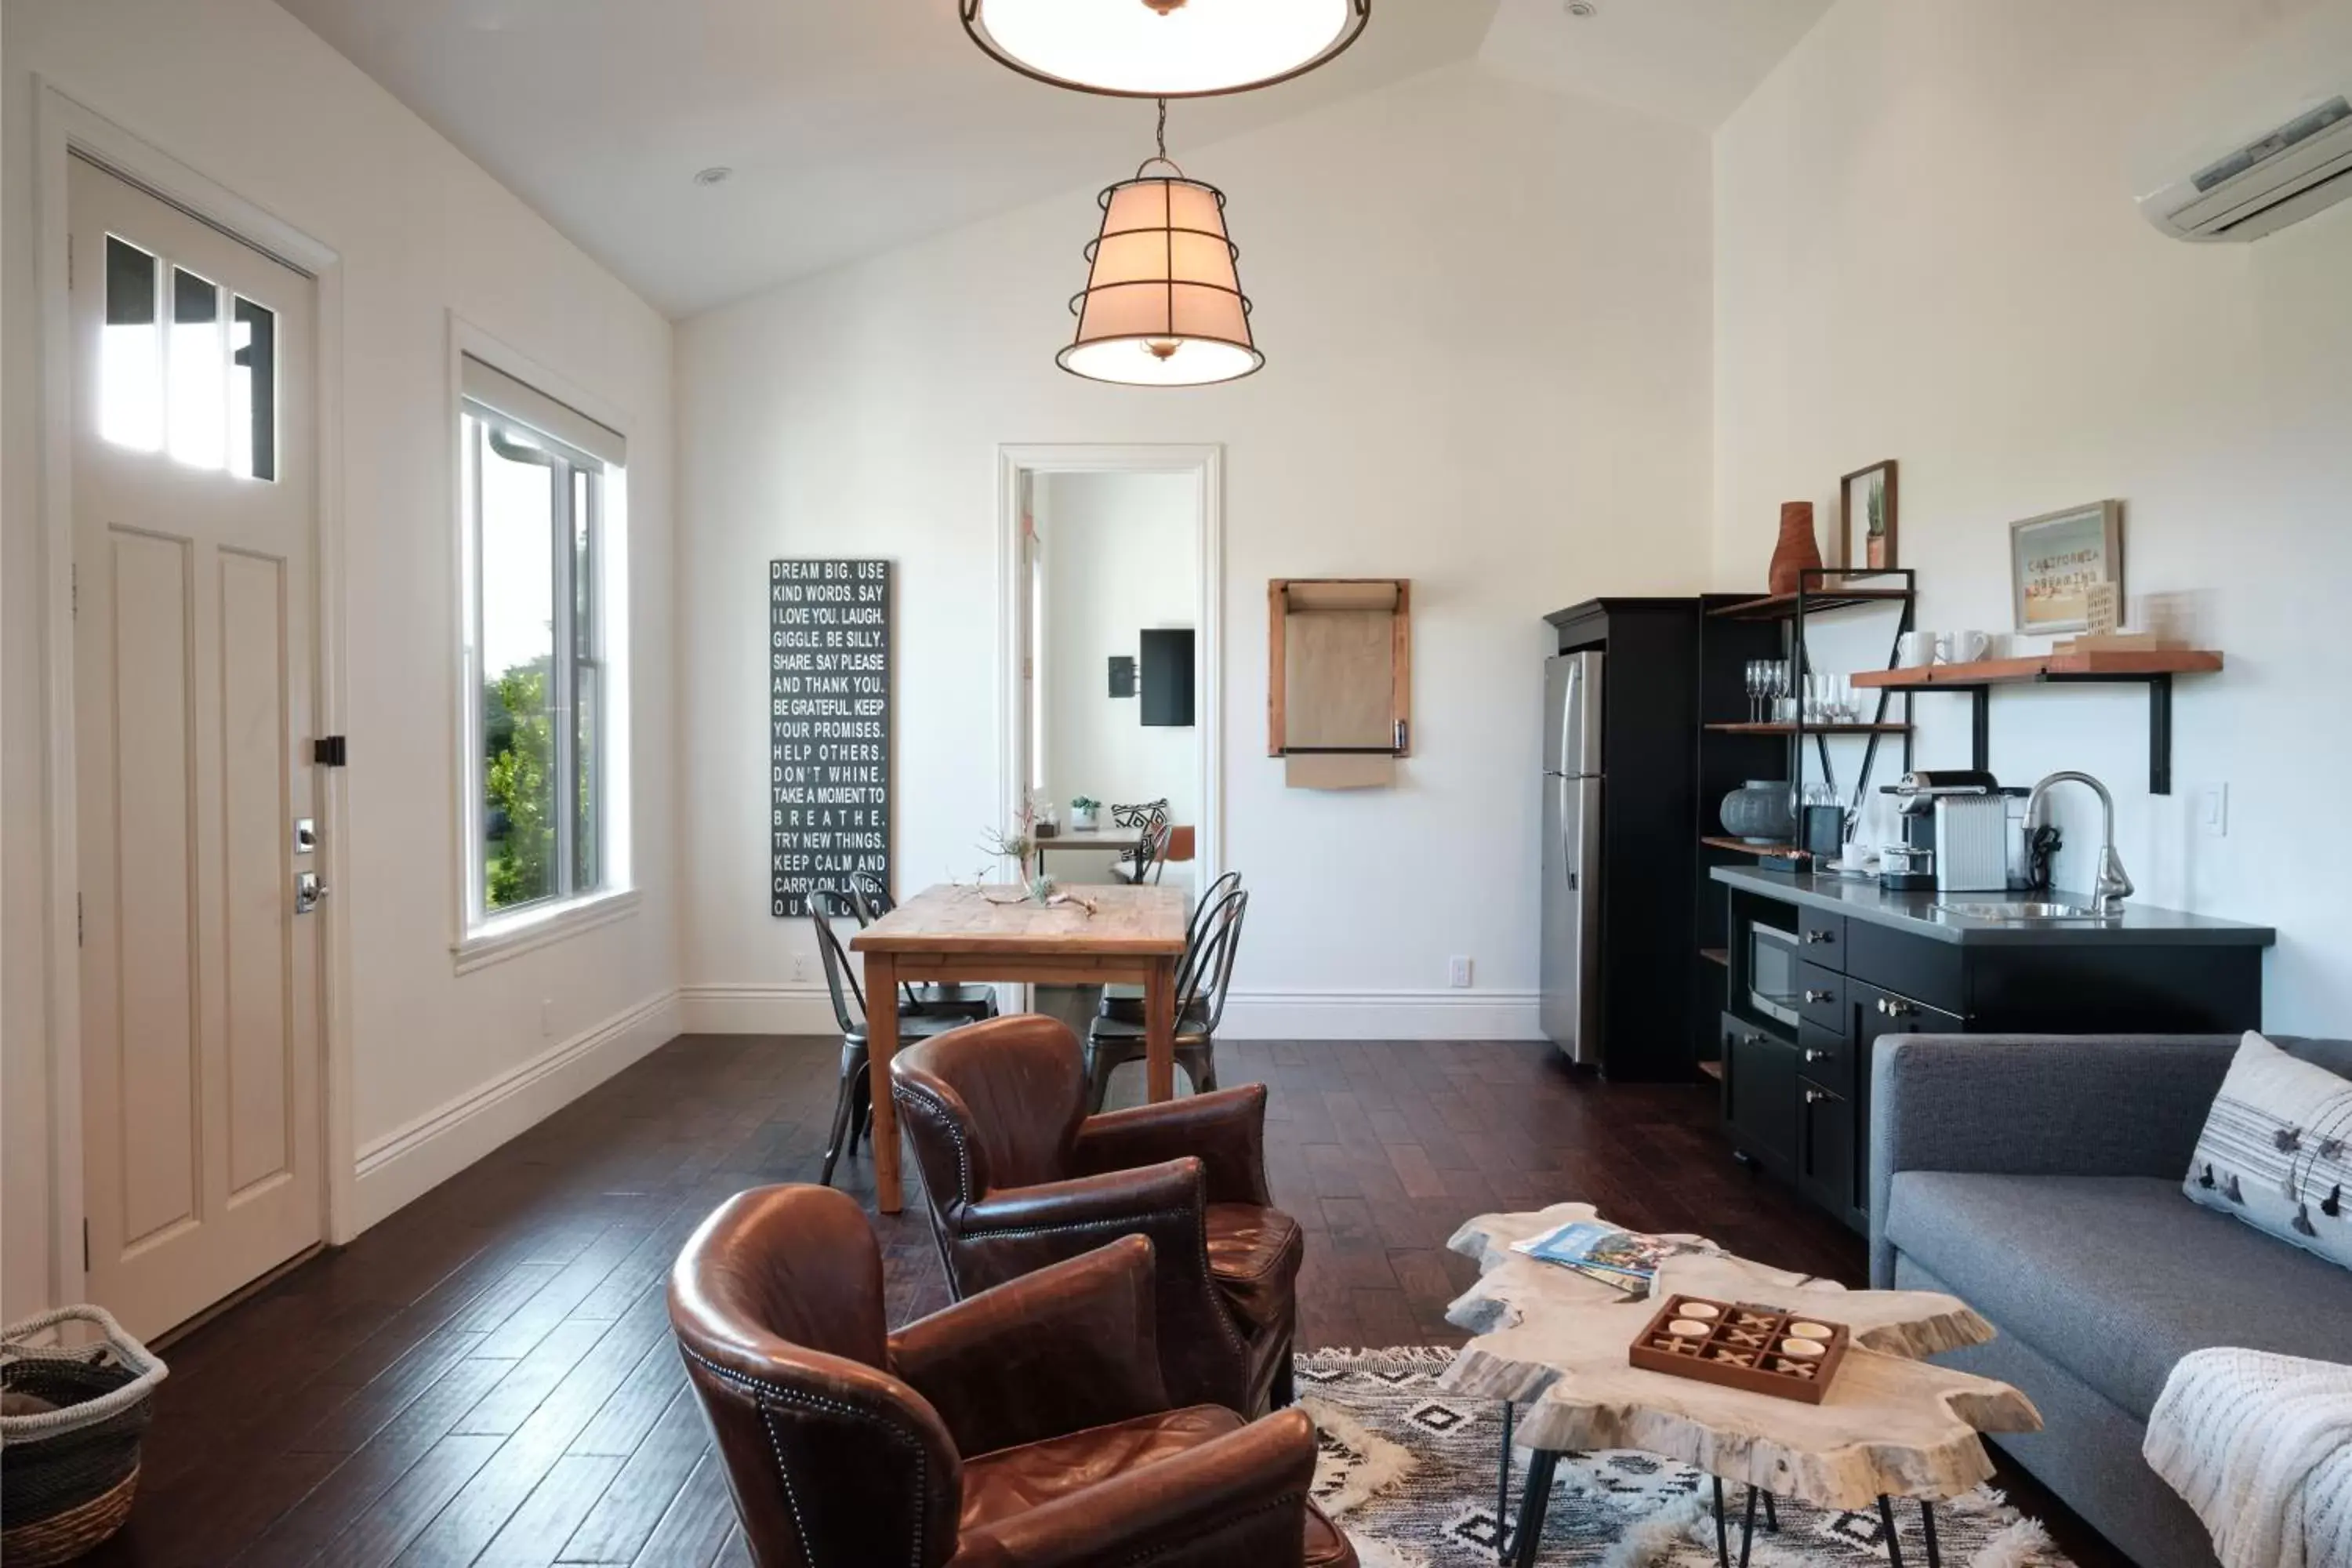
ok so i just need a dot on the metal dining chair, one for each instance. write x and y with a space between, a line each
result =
1203 984
870 900
1124 1003
853 1105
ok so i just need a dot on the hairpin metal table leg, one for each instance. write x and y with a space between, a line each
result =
1886 1522
1748 1530
1503 1493
1722 1529
1771 1515
1927 1523
1528 1537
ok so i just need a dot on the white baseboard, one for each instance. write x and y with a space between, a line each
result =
1381 1015
756 1009
761 1009
404 1164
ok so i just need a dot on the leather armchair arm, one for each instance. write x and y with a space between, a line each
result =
1240 1498
1224 1130
1071 1346
1108 1200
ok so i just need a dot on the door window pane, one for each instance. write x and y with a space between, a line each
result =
516 486
130 356
199 386
253 391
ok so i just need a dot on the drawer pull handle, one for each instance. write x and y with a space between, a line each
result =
1818 997
1894 1009
1817 938
1814 1056
1815 1096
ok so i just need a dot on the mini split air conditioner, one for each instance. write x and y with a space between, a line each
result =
2268 143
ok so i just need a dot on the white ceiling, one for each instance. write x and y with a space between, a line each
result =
1689 60
855 125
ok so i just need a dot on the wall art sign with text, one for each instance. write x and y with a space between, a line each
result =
828 726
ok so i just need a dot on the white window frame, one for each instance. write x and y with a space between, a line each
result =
482 936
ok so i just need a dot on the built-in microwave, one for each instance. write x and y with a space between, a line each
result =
1772 969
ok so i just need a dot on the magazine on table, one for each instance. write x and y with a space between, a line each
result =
1611 1254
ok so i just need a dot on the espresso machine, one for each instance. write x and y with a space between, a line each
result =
1961 833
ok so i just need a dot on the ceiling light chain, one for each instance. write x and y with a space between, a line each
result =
1163 130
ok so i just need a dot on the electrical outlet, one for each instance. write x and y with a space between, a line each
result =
2213 811
546 1016
1457 973
800 968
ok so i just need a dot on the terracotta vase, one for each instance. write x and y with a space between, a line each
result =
1797 550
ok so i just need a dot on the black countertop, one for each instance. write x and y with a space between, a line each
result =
2142 925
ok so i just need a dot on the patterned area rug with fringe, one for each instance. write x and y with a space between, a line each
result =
1410 1471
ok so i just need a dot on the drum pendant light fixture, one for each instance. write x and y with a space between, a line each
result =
1164 49
1163 303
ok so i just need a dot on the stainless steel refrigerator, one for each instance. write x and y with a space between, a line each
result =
1572 779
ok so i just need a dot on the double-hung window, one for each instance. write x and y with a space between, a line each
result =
540 482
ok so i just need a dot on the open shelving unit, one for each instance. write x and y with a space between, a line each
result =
2154 667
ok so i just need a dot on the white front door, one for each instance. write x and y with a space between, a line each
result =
194 655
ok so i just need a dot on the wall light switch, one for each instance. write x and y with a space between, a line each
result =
2213 810
1457 973
546 1016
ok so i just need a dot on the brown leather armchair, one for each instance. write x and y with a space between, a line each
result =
1018 1176
1028 1424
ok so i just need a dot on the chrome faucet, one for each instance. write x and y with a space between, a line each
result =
2112 887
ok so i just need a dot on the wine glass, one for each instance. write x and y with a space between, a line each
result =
1755 691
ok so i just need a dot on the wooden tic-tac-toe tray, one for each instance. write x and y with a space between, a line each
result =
1764 1349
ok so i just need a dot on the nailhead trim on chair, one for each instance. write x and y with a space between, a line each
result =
761 1387
1289 1499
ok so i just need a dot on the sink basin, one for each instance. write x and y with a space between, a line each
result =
2026 913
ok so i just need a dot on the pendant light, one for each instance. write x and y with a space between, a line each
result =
1164 49
1163 303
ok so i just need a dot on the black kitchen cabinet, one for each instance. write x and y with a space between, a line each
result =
1796 1087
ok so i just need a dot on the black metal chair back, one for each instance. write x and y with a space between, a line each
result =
1200 993
826 905
1211 907
869 897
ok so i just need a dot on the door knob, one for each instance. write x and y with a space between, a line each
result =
308 892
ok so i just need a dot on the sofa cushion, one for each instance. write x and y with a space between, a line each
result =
2276 1150
2116 1277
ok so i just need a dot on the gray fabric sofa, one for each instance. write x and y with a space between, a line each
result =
2038 1178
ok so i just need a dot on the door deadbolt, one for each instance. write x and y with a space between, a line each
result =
306 835
308 891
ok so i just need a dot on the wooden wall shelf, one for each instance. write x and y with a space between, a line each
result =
1761 851
2122 665
1785 729
2152 668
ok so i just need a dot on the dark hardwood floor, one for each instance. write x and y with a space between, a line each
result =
488 1375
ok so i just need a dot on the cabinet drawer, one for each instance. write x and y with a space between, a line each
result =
1820 939
1821 997
1827 1056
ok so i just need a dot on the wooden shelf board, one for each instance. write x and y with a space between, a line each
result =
1810 729
1783 606
1762 851
1717 955
1711 1069
2121 663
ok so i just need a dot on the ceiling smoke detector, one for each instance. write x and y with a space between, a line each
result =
1582 8
717 174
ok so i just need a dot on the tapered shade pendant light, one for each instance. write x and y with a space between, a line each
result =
1163 303
1164 49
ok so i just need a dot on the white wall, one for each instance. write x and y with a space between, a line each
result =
1925 248
247 97
1120 555
1486 309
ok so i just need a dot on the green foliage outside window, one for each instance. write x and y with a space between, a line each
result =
519 749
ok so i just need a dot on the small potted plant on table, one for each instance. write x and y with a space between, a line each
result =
1082 812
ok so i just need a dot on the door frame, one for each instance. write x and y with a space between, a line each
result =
1206 465
63 127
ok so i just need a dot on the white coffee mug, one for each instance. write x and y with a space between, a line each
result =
1854 856
1917 649
1960 648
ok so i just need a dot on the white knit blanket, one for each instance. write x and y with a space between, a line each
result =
2261 1446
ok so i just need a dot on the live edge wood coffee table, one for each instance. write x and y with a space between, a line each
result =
1551 1342
1134 935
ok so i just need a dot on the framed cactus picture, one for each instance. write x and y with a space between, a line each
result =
1866 500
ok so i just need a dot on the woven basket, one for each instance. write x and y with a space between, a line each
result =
70 1450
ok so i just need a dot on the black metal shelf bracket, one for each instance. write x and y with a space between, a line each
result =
2159 719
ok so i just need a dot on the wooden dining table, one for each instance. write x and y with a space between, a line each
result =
958 931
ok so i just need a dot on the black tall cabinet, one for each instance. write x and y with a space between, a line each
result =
1648 858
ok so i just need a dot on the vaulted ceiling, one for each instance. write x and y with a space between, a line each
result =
852 126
